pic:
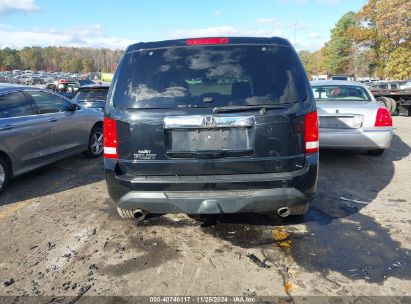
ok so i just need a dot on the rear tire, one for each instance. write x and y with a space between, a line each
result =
125 214
393 108
299 210
385 101
377 152
95 143
4 174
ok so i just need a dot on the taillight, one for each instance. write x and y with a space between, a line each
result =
383 118
110 138
202 41
311 136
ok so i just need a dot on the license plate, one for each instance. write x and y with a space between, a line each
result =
210 140
342 122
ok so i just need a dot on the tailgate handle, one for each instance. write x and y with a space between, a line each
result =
208 122
196 154
210 154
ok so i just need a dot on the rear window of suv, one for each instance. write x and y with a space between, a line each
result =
91 94
210 76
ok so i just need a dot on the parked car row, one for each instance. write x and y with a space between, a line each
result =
29 77
24 79
85 92
67 87
92 96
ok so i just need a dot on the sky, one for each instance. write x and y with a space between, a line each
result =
116 24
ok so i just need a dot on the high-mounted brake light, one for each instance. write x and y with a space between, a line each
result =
203 41
110 138
383 118
311 135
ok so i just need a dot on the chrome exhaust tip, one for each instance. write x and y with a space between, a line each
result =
283 211
139 214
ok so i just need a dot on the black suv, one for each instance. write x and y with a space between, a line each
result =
211 125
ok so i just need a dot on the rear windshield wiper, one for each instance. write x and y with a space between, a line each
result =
246 108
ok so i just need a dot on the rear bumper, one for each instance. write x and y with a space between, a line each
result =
214 194
212 202
368 139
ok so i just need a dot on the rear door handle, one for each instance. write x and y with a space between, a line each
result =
7 127
52 119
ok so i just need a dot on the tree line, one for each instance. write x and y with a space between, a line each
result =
60 59
374 42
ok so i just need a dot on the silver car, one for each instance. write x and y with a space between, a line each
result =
38 127
351 118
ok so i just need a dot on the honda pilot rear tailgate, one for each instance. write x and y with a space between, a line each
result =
198 142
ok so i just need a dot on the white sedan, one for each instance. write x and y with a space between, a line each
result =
351 118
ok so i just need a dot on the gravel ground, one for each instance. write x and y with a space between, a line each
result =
61 236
